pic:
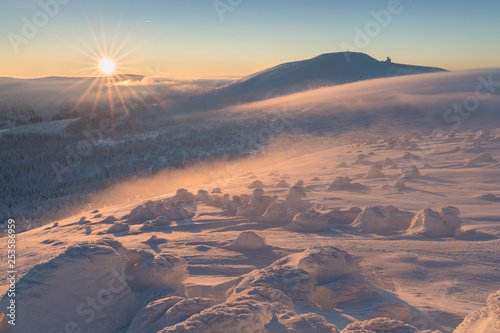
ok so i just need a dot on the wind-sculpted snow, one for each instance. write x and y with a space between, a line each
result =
441 223
382 220
248 241
162 271
243 316
485 320
303 222
262 294
151 318
294 282
158 213
86 286
92 286
380 325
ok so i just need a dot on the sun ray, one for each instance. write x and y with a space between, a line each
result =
107 57
84 95
94 36
120 97
94 54
103 36
98 94
135 95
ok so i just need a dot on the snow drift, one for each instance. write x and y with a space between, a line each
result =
486 320
92 285
435 224
382 220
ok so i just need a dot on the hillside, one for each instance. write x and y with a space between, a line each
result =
324 70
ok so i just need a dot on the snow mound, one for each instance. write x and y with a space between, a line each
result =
262 294
294 203
299 183
139 214
186 308
245 316
361 159
484 158
248 241
324 263
164 271
306 323
346 291
48 291
257 206
177 212
410 173
379 325
108 220
488 197
294 282
183 195
339 216
282 184
344 183
118 227
152 318
485 320
256 184
204 196
382 220
400 184
411 157
304 222
375 172
273 214
161 212
435 224
388 162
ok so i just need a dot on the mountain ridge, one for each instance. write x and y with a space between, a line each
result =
291 77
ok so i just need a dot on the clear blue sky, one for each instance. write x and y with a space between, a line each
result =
188 37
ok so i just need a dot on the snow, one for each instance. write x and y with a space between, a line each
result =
359 247
379 325
376 171
382 220
304 222
344 183
185 308
248 241
86 285
152 318
485 320
244 316
441 223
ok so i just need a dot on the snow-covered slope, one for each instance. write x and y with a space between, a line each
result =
323 70
379 263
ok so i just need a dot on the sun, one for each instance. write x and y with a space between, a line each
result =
107 66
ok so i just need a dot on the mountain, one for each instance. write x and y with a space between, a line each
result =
323 70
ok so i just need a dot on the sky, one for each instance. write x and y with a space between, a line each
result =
226 38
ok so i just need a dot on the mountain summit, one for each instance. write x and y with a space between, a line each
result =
324 70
